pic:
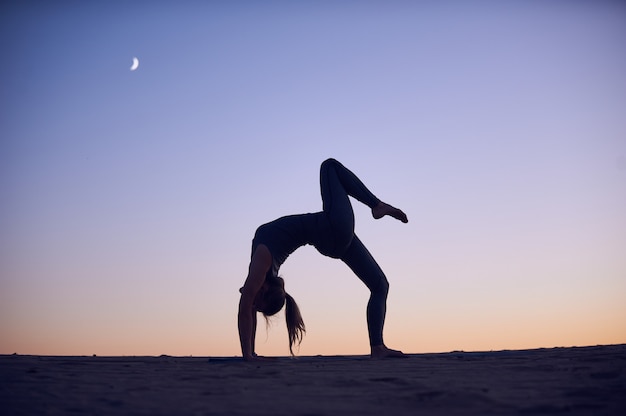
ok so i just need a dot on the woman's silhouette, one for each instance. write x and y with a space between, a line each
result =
332 233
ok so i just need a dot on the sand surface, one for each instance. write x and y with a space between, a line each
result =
568 381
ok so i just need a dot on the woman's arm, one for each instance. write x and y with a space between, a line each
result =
259 265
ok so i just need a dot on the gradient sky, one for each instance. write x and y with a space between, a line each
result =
129 199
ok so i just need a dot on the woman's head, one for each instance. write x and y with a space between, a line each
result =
271 296
271 299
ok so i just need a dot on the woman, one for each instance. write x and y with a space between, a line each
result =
332 233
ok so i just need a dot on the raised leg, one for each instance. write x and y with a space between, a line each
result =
337 183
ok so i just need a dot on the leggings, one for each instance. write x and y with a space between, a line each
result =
337 183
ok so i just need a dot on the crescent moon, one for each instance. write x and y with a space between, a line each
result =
135 64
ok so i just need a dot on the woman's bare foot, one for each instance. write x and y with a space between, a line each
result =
381 351
383 209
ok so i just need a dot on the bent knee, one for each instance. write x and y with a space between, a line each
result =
382 287
329 162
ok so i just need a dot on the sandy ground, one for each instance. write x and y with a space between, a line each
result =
561 381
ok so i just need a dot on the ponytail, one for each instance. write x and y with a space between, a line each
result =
274 299
295 324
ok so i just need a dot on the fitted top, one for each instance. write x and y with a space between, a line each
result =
284 235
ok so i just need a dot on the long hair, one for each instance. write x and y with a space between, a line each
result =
274 299
295 324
